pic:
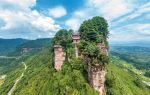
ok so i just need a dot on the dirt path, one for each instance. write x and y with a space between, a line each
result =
17 80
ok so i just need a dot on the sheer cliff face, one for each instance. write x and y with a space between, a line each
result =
59 57
96 77
95 65
96 73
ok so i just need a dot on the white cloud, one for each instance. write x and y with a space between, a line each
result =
143 29
42 22
45 23
23 17
17 4
57 12
112 10
77 18
22 3
109 9
73 23
144 9
131 32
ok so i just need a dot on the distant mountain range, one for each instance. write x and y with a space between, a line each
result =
8 45
135 43
11 45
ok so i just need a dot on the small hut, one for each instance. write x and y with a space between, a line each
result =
76 37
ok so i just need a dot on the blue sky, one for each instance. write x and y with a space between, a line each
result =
129 20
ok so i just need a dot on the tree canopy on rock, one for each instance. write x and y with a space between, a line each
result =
95 29
92 32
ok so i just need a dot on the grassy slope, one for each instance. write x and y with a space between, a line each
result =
6 65
1 82
40 78
12 75
123 81
138 56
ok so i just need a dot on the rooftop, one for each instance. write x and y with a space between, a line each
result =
75 33
57 46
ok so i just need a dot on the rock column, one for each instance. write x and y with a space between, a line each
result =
59 57
97 78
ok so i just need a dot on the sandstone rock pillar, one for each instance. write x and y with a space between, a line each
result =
96 77
59 57
103 48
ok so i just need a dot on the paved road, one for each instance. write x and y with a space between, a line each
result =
17 80
147 83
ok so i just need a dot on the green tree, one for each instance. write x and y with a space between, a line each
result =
92 29
63 37
147 74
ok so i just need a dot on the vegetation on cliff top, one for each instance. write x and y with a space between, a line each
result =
94 31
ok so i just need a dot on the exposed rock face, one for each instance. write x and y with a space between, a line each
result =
59 57
26 50
96 73
103 48
96 77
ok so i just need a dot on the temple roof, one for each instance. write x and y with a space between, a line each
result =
75 36
75 33
57 46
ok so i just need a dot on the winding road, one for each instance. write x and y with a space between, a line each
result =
17 80
147 83
10 57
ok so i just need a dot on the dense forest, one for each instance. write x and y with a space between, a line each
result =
123 79
135 55
9 45
12 47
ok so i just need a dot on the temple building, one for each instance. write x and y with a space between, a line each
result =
76 40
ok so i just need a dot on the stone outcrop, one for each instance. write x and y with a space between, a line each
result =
27 50
96 76
103 48
59 57
96 72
